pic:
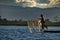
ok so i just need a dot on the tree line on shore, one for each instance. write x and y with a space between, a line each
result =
21 22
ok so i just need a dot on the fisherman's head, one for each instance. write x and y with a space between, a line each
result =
41 15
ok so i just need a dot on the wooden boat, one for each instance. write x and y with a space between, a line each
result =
49 31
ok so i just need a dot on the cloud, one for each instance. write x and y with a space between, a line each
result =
54 2
32 3
38 3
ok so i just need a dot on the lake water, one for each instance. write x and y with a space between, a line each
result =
22 33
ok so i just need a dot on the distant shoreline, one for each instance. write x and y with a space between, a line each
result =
24 23
27 25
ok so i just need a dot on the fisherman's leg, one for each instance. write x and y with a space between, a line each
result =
42 27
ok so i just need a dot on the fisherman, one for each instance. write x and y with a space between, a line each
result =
43 23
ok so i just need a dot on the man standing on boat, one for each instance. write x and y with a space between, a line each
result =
43 23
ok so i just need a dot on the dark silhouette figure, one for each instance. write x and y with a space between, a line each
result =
43 23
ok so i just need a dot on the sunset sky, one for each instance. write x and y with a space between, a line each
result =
29 9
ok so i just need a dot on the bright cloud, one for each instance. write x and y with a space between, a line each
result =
54 2
29 3
34 3
42 5
17 1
